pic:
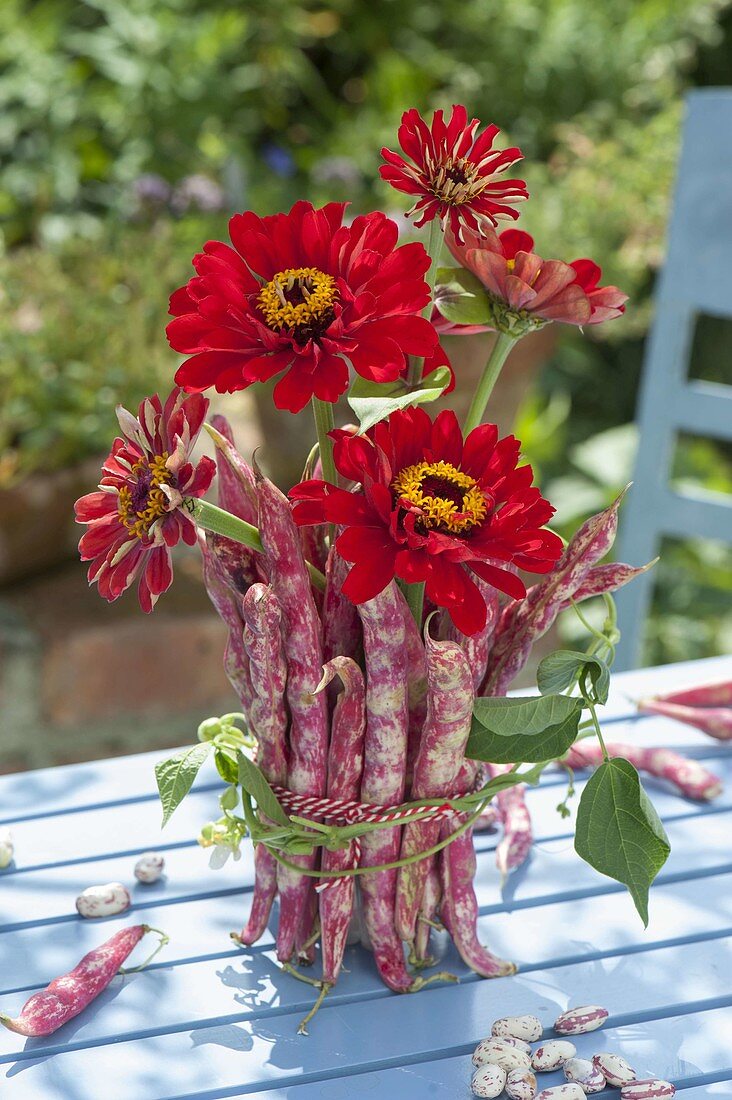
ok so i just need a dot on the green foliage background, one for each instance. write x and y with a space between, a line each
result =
280 99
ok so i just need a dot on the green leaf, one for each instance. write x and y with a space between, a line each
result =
560 670
373 401
524 715
252 780
226 767
619 832
461 297
519 748
176 774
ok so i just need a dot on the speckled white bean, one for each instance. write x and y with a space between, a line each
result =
103 901
520 1044
528 1028
585 1074
570 1091
578 1021
7 849
521 1085
614 1069
149 867
488 1081
500 1053
650 1088
552 1054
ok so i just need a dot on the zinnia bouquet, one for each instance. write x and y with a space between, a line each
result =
379 615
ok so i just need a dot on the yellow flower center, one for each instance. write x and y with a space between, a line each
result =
447 498
143 503
300 299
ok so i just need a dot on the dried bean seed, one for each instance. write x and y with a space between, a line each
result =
578 1021
488 1081
552 1054
103 901
149 867
528 1028
585 1074
521 1084
650 1088
614 1069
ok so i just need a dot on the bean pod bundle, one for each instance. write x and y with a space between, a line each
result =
396 732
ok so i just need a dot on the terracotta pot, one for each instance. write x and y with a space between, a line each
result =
287 439
37 527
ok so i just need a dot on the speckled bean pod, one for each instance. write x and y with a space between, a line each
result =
227 601
384 773
520 1084
416 688
524 621
605 578
441 753
615 1070
515 844
428 911
268 721
341 624
460 906
690 777
345 768
714 721
301 631
477 646
650 1088
585 1074
488 1081
578 1021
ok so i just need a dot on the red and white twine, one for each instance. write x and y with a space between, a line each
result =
342 811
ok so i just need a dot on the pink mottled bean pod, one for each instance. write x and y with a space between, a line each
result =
524 621
578 1021
227 601
384 773
237 490
441 753
460 907
714 721
267 716
67 996
520 1084
616 1071
416 688
515 844
690 777
477 646
650 1088
345 767
341 624
703 695
301 633
428 912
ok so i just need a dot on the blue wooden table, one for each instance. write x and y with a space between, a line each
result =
207 1020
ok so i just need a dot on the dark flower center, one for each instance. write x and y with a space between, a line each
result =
444 497
143 502
300 300
457 181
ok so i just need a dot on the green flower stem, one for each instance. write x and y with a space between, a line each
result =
414 595
434 248
493 367
212 518
324 423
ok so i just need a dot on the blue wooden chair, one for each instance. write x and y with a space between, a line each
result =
696 279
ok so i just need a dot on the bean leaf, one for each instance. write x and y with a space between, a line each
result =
252 780
549 744
461 297
560 671
619 832
175 776
373 401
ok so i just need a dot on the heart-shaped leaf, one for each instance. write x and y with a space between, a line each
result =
528 730
619 832
561 670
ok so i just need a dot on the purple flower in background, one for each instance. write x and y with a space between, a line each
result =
279 160
197 192
151 193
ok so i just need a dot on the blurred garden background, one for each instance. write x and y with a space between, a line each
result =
131 129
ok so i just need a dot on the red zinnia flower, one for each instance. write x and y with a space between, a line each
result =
304 294
527 291
136 517
431 507
453 171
